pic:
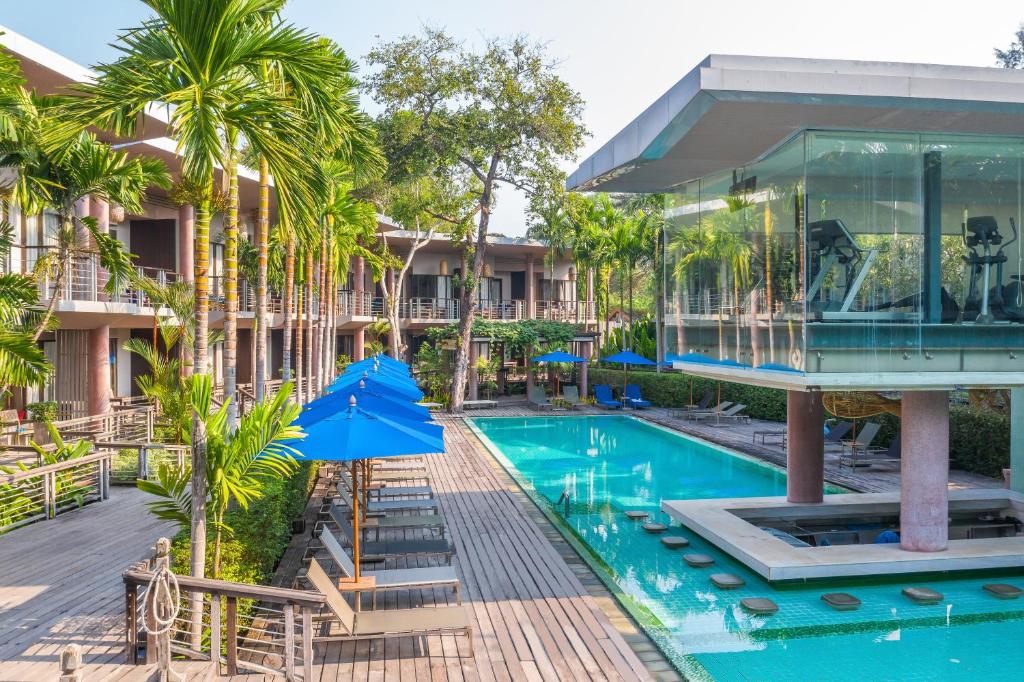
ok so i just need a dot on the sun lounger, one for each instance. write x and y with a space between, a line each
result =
603 395
380 492
863 439
389 505
702 404
394 578
717 409
636 401
382 550
871 456
834 437
571 395
390 623
377 523
732 413
538 398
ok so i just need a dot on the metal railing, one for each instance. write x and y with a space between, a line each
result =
429 309
358 304
502 310
565 311
133 423
45 492
244 627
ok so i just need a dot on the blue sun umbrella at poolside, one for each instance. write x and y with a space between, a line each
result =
627 357
381 383
356 434
371 364
558 356
370 399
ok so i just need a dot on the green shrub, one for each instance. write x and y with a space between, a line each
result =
979 440
42 412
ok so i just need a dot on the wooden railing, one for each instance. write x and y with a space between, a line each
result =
46 491
260 629
122 424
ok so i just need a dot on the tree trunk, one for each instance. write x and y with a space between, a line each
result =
231 294
300 396
262 245
286 306
201 266
322 311
309 324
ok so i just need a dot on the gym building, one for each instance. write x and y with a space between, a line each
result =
841 226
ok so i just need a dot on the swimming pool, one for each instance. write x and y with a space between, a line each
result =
610 464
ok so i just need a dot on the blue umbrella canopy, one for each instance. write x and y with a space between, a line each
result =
372 363
367 398
354 433
379 384
628 357
558 356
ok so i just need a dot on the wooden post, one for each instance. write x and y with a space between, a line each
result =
232 636
131 623
289 642
355 520
159 608
143 463
70 662
215 640
47 495
307 643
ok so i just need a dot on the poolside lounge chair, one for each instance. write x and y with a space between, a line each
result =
571 395
538 398
871 456
603 395
835 435
864 438
712 411
400 523
732 413
381 492
393 578
381 550
632 393
702 404
388 505
391 623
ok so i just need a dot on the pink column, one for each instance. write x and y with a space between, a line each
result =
99 370
358 344
531 304
186 241
99 210
358 283
805 453
924 471
584 383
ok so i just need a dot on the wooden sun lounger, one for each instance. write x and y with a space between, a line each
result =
391 623
378 491
401 523
381 550
412 504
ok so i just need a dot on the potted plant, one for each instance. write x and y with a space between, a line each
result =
41 414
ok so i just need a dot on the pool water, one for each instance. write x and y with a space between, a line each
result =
611 464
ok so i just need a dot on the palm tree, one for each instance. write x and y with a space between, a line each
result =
201 61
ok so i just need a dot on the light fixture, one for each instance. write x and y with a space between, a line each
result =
442 268
116 213
572 274
488 271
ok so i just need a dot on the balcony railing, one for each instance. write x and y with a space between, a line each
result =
359 304
429 309
246 297
565 311
502 310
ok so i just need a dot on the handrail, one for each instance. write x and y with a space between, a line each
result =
225 588
8 479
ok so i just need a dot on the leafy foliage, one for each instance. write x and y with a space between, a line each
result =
516 336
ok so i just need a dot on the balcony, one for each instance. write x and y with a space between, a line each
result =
359 304
246 297
566 311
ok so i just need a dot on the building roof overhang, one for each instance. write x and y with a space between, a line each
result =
731 110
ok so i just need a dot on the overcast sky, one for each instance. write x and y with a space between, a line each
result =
620 54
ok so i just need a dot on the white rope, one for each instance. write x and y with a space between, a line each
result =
163 583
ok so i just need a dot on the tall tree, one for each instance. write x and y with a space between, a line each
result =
201 62
500 116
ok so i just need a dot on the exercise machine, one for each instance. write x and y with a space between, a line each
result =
830 245
981 235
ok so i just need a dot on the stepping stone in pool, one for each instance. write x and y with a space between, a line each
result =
759 605
841 601
1002 590
655 527
727 581
675 542
922 595
636 515
698 560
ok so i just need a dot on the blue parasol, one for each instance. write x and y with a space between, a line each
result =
558 356
627 357
370 399
379 383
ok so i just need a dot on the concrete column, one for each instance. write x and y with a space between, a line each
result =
805 454
186 241
99 210
924 471
81 209
99 370
358 344
1017 439
584 382
531 303
358 284
474 376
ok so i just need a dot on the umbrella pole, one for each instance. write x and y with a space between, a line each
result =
355 519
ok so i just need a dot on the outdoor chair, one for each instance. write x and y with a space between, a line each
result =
383 492
702 404
388 505
603 396
402 522
870 456
835 435
864 438
373 551
632 393
538 398
391 623
728 415
709 412
394 578
571 395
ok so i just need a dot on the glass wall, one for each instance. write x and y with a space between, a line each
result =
851 252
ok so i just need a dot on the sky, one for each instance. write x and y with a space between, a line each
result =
620 55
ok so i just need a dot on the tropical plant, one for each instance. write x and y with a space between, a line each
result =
167 389
238 461
65 487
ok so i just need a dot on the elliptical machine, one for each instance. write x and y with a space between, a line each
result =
980 235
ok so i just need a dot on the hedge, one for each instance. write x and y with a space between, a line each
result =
979 440
261 532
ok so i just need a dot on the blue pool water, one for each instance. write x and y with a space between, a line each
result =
610 464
